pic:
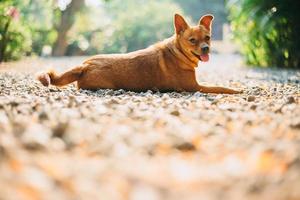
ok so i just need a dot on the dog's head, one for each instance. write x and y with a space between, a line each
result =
194 41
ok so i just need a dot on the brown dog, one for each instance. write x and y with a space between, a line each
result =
166 66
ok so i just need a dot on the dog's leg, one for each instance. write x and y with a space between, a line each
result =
217 90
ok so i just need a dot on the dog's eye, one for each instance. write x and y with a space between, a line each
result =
207 38
193 40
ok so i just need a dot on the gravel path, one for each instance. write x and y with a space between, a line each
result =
76 144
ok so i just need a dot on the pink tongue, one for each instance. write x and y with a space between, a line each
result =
204 57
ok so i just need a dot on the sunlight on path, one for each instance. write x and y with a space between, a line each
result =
117 145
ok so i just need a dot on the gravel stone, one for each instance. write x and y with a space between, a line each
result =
250 98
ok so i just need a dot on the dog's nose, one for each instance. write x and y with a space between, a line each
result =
205 49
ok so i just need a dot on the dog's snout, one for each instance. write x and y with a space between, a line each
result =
205 49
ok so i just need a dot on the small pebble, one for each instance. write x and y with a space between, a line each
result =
253 107
291 100
43 115
186 146
250 98
175 113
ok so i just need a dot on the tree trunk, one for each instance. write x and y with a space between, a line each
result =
3 41
67 19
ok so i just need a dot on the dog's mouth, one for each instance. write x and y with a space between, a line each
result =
202 57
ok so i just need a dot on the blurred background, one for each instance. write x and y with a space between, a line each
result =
265 32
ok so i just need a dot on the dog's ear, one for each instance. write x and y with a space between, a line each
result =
180 24
206 21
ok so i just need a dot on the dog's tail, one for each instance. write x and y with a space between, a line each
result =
53 78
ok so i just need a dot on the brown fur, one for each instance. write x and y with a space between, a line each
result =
166 66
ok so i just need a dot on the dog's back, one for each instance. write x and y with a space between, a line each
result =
136 70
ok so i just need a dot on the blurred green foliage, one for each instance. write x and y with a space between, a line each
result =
15 38
103 26
29 32
133 28
267 31
40 15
